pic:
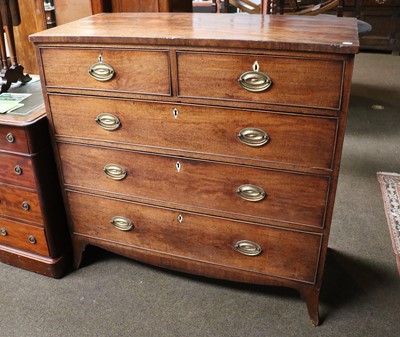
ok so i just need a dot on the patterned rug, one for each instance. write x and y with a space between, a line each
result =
390 187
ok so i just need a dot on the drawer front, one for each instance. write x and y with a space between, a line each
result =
22 236
136 71
292 139
16 170
287 254
380 3
290 197
20 203
295 81
13 139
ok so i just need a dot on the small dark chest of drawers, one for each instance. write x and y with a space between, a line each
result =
33 231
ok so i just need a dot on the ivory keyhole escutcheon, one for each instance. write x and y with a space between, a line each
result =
178 166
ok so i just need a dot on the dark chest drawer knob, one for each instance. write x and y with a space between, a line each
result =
108 121
10 137
115 171
122 223
253 137
32 239
101 71
18 169
25 206
248 248
3 231
251 192
255 81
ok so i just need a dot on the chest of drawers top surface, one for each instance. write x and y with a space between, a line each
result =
338 35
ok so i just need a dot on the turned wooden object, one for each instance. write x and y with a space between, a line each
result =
13 72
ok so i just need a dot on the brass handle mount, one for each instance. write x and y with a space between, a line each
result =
122 223
255 80
251 192
253 137
248 248
32 239
18 169
115 172
25 206
108 121
10 137
101 71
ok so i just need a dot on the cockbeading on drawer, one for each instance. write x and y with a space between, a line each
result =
202 185
295 81
227 134
192 236
134 71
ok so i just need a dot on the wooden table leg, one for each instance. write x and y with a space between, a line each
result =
311 295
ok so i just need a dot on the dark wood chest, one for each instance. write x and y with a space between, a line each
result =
33 229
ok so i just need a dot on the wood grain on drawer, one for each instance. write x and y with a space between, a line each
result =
13 139
136 71
295 81
285 253
293 139
20 203
22 236
297 198
16 170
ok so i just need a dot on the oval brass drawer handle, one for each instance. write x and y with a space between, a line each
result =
248 248
121 223
108 121
255 81
253 137
101 71
251 192
115 171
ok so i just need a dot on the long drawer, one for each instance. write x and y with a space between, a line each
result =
22 236
295 81
20 203
136 71
261 136
208 239
233 189
16 170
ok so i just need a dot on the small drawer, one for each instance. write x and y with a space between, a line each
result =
270 251
13 139
20 203
236 134
22 236
135 71
16 170
210 187
294 81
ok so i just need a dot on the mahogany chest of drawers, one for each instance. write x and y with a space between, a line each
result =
33 228
202 143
